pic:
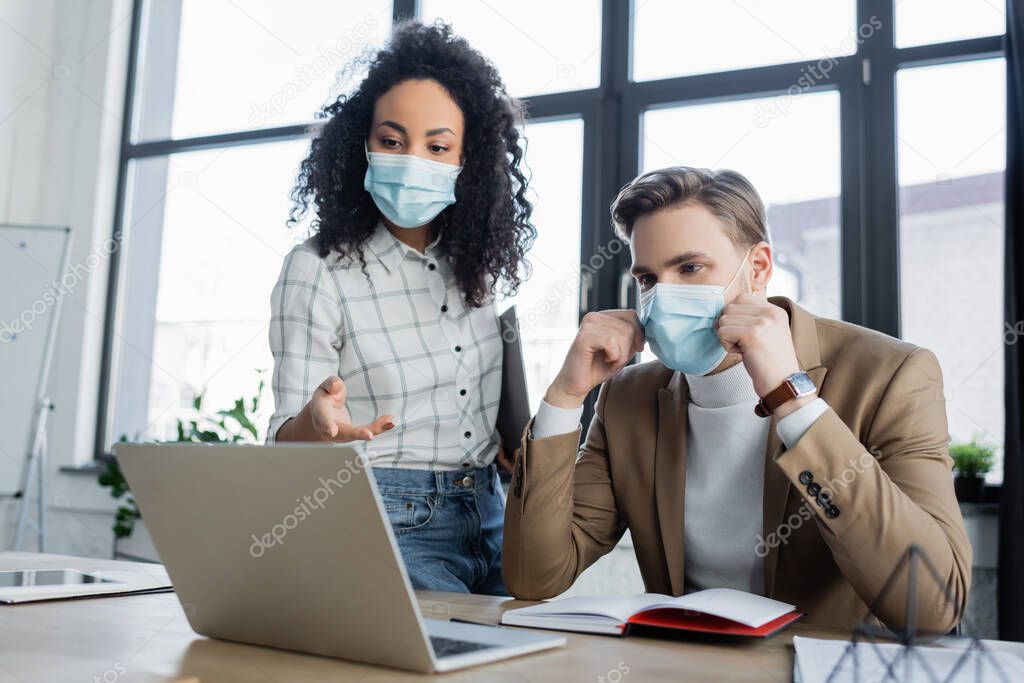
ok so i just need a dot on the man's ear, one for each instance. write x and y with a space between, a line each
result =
761 261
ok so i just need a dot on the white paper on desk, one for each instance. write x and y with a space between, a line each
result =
153 579
815 660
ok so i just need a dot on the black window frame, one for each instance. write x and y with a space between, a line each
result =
611 114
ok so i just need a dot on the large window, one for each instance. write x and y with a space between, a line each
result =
872 128
244 65
547 305
685 37
798 182
920 22
198 322
217 130
530 41
952 152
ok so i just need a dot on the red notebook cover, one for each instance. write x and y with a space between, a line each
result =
685 620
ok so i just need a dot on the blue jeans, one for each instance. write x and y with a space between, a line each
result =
448 526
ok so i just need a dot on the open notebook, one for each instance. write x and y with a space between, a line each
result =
716 610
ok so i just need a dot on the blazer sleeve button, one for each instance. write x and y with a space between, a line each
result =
814 488
806 477
832 511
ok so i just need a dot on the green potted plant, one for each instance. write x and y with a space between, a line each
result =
971 461
237 425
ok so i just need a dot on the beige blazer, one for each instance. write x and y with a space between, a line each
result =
882 447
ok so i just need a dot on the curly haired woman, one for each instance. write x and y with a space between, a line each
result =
384 330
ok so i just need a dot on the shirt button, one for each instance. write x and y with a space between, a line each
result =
806 477
431 266
465 464
468 434
444 308
458 349
462 392
832 511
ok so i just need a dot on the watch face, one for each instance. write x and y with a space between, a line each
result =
802 382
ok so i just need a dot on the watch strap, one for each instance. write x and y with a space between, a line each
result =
776 397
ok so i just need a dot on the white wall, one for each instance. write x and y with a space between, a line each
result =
62 73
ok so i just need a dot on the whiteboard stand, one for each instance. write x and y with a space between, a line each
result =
34 458
35 454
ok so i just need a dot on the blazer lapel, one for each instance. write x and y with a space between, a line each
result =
670 475
776 484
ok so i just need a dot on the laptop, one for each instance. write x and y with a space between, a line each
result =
288 546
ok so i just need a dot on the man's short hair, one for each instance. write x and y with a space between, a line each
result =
727 194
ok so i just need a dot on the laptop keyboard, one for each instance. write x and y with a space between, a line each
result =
446 647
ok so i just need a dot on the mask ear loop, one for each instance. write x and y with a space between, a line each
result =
643 304
738 270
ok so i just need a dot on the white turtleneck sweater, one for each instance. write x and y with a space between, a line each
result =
725 453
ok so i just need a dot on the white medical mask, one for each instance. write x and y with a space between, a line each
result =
679 323
408 190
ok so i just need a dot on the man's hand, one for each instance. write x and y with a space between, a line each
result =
331 418
604 344
759 331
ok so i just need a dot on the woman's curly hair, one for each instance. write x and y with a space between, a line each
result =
487 231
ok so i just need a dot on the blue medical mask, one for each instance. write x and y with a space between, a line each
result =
408 190
679 323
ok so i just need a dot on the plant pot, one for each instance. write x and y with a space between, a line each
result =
969 489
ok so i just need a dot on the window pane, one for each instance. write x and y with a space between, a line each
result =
214 221
919 22
548 303
239 66
684 37
952 141
767 141
538 46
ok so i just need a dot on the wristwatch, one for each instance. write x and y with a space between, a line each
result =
796 385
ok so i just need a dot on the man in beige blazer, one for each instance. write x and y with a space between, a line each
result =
812 500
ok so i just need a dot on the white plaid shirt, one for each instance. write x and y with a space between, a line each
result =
404 343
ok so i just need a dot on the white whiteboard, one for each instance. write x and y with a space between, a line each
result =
32 260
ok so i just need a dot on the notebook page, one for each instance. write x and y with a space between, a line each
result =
619 607
744 608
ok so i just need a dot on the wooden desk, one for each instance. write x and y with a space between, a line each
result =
147 638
